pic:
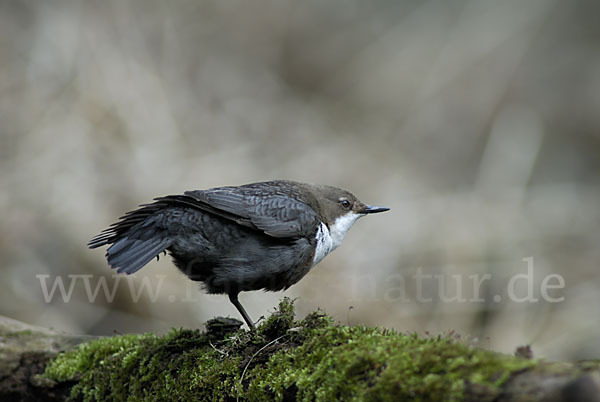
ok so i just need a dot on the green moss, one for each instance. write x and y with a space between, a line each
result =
359 363
306 360
180 364
280 321
22 334
25 332
589 365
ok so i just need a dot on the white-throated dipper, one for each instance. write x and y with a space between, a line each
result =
264 235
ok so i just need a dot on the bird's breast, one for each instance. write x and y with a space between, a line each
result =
325 244
329 238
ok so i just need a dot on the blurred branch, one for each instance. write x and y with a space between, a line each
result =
24 352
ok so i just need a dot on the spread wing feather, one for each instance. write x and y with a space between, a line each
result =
274 210
271 212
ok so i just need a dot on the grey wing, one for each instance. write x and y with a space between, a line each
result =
275 214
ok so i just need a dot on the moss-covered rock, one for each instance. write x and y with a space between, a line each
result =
285 359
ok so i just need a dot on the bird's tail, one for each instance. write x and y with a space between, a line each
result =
136 239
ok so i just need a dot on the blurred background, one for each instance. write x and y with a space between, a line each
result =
477 122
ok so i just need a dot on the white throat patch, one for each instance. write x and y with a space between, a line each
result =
328 239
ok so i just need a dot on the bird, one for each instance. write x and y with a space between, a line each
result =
266 235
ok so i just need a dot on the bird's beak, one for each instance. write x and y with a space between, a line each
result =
370 209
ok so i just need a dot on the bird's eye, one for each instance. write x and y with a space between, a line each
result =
345 203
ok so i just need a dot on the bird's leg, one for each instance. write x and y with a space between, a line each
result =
233 297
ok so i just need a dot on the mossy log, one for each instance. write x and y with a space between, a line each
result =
311 359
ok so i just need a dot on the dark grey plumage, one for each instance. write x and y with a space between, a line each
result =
256 236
